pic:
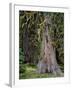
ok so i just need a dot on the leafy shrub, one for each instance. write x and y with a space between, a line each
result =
21 56
22 69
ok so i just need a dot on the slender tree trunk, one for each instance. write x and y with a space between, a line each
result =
48 62
26 46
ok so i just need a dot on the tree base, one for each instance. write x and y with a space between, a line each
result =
45 68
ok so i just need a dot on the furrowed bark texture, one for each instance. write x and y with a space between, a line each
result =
48 62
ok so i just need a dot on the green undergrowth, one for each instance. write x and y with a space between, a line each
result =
27 71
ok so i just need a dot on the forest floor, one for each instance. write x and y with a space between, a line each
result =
27 71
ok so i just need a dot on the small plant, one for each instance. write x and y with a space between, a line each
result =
22 69
21 57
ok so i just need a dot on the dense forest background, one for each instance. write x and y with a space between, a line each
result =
31 26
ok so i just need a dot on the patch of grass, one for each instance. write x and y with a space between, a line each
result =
28 71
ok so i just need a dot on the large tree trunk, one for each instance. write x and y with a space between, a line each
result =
48 62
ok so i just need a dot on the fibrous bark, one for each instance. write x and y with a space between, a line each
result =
48 62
